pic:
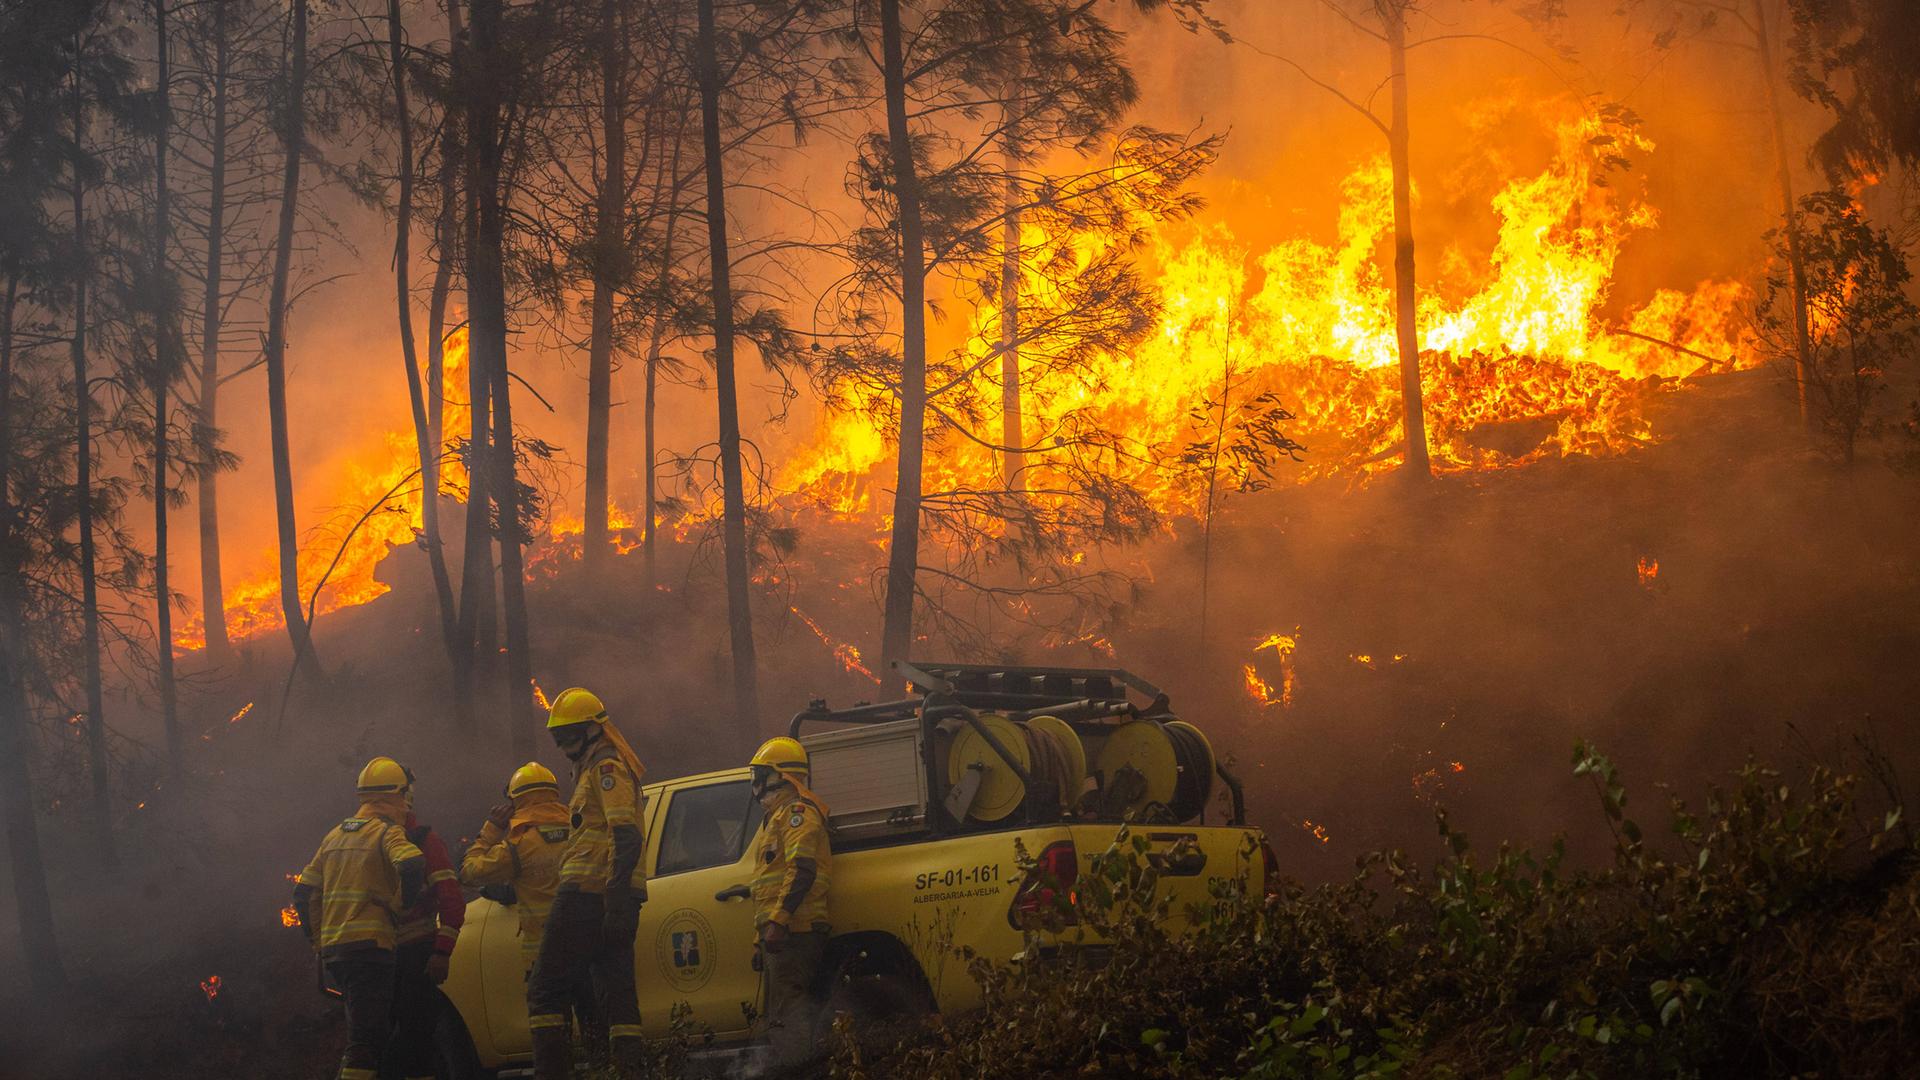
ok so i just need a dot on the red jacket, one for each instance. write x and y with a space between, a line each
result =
441 904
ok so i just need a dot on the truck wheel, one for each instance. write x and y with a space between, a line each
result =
881 989
453 1054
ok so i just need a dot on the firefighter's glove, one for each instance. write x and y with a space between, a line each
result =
773 937
501 816
437 968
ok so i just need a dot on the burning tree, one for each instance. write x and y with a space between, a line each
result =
1860 319
1047 256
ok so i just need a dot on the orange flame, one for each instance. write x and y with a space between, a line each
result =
244 710
847 653
1648 570
1258 688
210 986
540 697
1318 832
289 916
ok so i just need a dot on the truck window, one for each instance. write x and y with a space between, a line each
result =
707 826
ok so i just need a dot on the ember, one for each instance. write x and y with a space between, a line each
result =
210 986
289 916
1648 570
244 710
540 697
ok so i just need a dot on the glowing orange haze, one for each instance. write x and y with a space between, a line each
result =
1522 340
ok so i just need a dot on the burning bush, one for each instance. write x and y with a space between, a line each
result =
1774 933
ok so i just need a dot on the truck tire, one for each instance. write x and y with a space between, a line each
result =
876 981
454 1057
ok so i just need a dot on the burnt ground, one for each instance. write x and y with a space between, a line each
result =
1781 624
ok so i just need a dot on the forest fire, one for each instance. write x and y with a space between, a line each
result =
1521 363
1258 688
1515 336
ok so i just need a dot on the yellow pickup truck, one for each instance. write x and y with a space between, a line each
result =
928 798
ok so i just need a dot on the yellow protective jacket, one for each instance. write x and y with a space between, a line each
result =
795 858
526 855
365 874
607 813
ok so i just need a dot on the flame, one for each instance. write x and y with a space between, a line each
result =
289 916
1258 688
1648 570
210 986
1317 831
540 696
253 606
1520 361
847 653
244 710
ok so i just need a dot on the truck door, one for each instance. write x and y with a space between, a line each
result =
691 947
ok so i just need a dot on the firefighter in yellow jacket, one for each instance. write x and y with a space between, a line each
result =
520 846
365 873
795 862
596 910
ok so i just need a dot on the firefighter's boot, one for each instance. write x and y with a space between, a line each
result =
552 1053
629 1056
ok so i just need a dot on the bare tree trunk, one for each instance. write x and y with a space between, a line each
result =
213 610
293 136
609 261
83 486
1393 15
33 908
746 694
486 292
896 640
651 506
1796 264
429 450
166 339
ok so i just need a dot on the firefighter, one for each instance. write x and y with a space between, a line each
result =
423 946
596 910
795 863
366 869
520 847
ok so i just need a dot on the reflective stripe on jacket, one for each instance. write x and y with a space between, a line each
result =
356 874
795 860
606 796
441 909
526 855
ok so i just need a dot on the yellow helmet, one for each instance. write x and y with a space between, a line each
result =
783 755
383 776
576 706
531 777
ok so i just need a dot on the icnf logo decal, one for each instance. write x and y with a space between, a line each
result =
684 950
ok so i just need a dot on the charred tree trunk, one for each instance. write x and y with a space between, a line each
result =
213 611
487 352
293 136
166 340
746 704
476 559
1790 213
83 506
650 508
609 261
1393 15
1012 437
896 642
34 910
429 450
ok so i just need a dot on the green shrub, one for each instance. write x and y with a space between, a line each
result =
1773 933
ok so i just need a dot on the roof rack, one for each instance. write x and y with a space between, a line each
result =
1021 692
